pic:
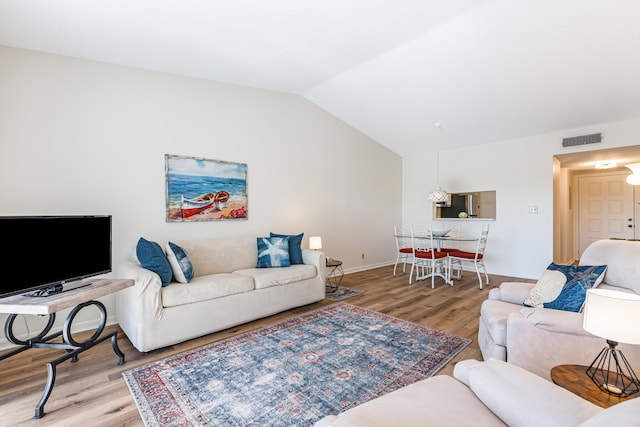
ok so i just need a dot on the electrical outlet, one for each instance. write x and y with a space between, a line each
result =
533 209
363 256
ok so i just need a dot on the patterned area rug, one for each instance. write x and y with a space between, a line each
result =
342 293
292 373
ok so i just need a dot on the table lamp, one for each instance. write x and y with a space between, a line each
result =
614 316
315 242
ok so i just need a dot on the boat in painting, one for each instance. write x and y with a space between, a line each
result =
190 207
221 199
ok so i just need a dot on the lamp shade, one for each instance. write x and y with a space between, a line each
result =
634 178
438 195
315 242
612 315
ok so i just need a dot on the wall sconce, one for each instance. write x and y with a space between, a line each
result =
315 242
614 316
634 178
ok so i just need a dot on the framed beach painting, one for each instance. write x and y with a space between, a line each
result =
204 189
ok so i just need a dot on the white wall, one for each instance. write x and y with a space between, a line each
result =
521 171
81 137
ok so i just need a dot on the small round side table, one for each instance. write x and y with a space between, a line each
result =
575 379
334 278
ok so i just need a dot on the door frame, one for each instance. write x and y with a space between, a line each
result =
575 203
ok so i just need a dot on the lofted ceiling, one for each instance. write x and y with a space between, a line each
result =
488 70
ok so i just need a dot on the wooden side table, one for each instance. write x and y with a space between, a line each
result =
575 379
78 299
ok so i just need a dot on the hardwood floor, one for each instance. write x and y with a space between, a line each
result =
92 391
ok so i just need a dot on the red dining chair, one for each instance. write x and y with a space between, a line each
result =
404 250
427 260
457 257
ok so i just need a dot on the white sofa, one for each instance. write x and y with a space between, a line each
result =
483 394
538 339
226 290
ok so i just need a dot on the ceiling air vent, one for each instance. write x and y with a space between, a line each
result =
582 140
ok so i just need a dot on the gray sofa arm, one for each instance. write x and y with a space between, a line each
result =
139 304
521 398
513 292
565 322
316 258
539 339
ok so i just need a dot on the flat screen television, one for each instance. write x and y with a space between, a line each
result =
43 253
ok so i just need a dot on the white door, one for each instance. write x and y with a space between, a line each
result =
636 204
605 208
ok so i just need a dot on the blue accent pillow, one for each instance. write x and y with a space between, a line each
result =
180 263
571 298
579 279
152 258
295 247
273 252
591 275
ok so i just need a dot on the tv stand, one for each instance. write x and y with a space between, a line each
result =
53 290
77 298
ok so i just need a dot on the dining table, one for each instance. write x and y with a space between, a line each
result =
438 240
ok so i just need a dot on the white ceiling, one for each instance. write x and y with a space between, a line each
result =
488 70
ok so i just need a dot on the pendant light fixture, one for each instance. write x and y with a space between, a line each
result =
634 178
438 195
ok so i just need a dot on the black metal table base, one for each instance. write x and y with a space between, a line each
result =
68 344
334 278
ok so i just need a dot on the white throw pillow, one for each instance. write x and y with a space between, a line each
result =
180 263
546 289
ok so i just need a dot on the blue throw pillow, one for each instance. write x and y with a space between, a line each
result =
152 258
180 263
559 281
571 298
574 291
591 275
295 247
273 252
